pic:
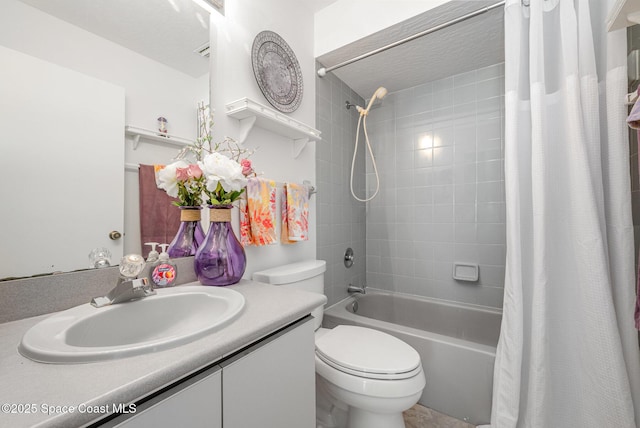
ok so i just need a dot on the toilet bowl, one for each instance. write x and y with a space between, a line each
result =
364 378
370 374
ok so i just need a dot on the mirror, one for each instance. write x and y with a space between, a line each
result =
141 61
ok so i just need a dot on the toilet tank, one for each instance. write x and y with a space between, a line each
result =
307 276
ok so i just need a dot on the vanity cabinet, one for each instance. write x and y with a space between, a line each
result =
269 384
272 384
195 403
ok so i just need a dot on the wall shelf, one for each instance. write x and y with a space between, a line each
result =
250 113
154 136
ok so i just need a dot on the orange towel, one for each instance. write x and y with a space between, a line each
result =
258 213
295 213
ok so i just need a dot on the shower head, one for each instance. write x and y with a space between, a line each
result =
380 93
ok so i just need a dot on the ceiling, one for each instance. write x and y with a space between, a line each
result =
316 5
167 31
183 26
472 44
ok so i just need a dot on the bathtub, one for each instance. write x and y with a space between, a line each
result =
456 342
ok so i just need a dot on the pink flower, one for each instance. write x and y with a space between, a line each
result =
194 171
190 172
246 167
182 174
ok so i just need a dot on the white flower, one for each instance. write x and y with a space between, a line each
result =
218 168
167 178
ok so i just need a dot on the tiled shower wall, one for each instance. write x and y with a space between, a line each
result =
341 219
439 151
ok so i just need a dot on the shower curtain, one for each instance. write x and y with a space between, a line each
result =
567 355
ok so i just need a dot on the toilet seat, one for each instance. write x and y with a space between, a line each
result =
367 353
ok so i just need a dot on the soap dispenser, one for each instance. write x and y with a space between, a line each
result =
153 254
152 259
164 271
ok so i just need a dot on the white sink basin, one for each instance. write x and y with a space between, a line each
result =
172 317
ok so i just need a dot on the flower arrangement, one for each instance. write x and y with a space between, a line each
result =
183 181
219 174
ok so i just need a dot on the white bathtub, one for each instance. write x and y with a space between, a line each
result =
457 344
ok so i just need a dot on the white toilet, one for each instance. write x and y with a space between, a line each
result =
364 378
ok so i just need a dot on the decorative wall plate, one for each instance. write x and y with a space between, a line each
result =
277 71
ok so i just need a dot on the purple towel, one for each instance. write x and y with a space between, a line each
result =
159 218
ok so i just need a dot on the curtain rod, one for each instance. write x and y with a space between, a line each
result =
323 71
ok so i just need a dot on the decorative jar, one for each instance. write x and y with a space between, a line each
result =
190 234
221 259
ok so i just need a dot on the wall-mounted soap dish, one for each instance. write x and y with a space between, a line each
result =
466 271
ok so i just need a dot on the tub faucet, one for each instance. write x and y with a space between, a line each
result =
128 287
354 289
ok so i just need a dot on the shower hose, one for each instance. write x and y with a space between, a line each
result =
363 119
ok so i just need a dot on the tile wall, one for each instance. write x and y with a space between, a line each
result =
439 150
341 219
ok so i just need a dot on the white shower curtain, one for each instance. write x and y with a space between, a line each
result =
567 356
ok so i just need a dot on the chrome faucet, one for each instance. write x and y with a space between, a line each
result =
125 291
354 289
129 287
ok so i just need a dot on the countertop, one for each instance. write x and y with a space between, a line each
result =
25 382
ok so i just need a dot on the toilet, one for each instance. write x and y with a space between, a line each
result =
364 378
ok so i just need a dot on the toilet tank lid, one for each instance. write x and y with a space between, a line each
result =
292 272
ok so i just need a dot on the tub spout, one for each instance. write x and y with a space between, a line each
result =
353 289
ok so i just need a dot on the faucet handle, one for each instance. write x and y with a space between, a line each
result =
131 265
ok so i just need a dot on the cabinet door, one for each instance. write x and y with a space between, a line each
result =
272 385
196 403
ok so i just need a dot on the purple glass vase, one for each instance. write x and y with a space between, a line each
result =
190 234
220 260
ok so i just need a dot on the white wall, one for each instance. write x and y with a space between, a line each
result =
151 88
232 78
346 21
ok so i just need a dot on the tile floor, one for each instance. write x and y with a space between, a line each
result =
422 417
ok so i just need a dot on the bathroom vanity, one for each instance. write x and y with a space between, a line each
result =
266 385
256 371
